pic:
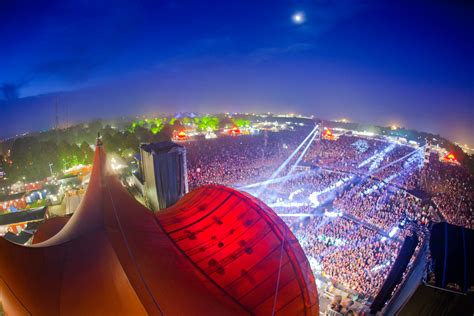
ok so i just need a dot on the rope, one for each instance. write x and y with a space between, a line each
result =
279 273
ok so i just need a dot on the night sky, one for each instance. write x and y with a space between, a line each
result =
409 63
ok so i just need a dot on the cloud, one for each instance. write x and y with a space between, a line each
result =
11 91
75 69
79 39
267 53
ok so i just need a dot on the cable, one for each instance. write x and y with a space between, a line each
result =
279 273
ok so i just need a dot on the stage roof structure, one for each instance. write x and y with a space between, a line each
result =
450 157
327 134
22 216
217 251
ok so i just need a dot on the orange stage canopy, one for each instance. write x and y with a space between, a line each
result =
217 251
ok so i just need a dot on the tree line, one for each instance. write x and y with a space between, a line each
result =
38 156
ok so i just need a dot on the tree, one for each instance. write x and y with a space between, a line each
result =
242 123
166 133
87 154
142 134
110 142
207 123
186 120
225 122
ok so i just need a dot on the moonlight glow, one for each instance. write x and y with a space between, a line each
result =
298 18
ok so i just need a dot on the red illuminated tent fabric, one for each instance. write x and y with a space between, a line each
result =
216 252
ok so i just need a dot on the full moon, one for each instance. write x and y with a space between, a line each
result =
298 18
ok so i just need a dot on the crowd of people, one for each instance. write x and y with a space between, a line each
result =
358 194
383 206
449 186
319 185
451 189
237 160
340 154
348 253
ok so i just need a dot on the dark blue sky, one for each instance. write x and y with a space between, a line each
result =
383 62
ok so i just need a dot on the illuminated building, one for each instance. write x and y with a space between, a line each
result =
164 173
18 227
16 200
